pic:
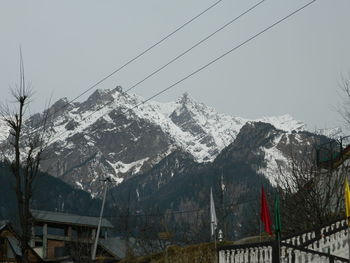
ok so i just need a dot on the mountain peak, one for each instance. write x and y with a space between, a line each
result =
186 99
188 104
59 106
100 94
118 88
60 102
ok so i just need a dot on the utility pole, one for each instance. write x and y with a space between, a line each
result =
100 219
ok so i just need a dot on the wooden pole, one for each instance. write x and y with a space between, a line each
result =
45 241
99 224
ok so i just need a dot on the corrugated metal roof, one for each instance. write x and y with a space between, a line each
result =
117 246
69 219
114 245
2 226
15 245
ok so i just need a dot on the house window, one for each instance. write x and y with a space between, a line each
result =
38 243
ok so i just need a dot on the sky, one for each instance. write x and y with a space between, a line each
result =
294 68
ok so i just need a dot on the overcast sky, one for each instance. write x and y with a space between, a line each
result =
294 68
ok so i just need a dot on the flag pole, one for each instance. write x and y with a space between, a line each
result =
279 247
213 222
259 218
216 258
277 223
348 240
260 229
347 210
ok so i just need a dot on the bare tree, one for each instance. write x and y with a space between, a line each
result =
24 155
344 109
311 188
311 196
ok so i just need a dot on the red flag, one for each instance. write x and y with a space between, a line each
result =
264 212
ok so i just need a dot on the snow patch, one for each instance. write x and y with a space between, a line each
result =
276 162
80 186
122 168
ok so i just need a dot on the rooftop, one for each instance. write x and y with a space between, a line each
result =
68 219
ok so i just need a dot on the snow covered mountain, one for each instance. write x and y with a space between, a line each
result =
272 152
260 154
114 134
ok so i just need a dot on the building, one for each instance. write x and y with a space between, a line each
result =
61 237
10 249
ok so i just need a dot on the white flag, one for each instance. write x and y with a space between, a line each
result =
213 219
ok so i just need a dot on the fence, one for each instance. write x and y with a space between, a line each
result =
326 244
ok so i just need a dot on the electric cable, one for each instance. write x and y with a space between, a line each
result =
133 59
199 69
195 45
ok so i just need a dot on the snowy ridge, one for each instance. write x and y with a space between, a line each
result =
284 123
333 133
221 128
217 130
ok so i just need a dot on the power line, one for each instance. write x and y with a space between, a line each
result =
133 59
195 45
228 52
179 56
204 66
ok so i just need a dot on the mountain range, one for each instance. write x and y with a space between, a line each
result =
114 134
164 157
